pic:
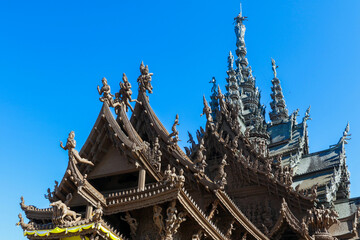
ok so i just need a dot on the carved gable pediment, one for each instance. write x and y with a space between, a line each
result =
112 163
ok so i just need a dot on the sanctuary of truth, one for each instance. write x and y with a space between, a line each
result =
239 178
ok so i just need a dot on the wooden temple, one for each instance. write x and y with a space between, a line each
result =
240 178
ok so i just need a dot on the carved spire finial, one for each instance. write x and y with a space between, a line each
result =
230 61
274 67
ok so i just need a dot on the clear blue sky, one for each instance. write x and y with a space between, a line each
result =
54 54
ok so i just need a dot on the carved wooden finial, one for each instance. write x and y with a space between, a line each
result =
144 79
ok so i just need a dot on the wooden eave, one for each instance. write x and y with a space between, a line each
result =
132 199
80 185
34 213
159 193
260 177
239 216
351 219
101 228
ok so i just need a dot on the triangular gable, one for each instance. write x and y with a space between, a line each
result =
113 162
125 149
288 219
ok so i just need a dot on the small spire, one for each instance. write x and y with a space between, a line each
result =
346 134
230 61
214 103
213 81
279 111
307 114
274 67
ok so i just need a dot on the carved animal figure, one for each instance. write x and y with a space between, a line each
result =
63 214
23 224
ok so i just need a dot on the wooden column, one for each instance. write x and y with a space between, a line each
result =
89 210
141 182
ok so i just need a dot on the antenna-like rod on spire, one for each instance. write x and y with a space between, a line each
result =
240 9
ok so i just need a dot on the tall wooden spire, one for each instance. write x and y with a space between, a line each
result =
249 94
279 111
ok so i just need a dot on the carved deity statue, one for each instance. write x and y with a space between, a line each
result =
231 229
98 212
307 114
213 88
220 178
173 220
132 223
222 102
198 235
321 219
174 133
171 213
106 93
172 179
240 30
181 178
157 154
124 95
73 153
346 135
274 67
230 61
214 210
158 219
193 145
207 111
144 79
167 174
200 159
